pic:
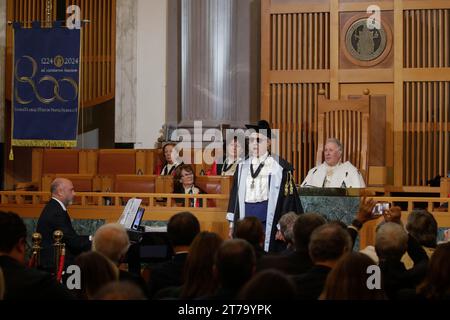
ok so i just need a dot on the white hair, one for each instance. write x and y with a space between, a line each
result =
391 241
336 142
112 241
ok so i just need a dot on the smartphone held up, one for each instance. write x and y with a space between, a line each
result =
380 208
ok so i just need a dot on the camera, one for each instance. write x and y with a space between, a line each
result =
380 208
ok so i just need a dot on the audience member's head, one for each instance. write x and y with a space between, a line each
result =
182 229
391 241
250 229
199 279
328 243
120 290
112 241
286 223
235 263
303 228
423 227
269 285
96 272
348 279
62 189
437 281
2 285
12 236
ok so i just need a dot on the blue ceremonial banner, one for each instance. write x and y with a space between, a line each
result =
46 92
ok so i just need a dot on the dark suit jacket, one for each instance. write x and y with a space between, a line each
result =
135 279
23 283
52 218
167 274
396 277
310 285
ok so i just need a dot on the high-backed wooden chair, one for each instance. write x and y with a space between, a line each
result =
347 121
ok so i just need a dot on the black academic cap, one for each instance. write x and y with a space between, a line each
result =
262 127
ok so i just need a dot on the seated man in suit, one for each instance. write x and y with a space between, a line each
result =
55 217
327 244
333 173
111 240
21 282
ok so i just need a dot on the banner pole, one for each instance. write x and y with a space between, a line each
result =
11 152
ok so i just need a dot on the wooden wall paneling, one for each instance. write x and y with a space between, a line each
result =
98 38
423 157
442 122
103 55
267 57
447 120
37 156
407 134
334 49
398 92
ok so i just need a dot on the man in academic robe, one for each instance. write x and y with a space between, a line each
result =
263 186
333 173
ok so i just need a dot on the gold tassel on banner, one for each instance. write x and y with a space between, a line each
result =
11 154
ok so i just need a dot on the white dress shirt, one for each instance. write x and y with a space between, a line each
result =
260 190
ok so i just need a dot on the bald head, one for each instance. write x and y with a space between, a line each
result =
62 189
112 241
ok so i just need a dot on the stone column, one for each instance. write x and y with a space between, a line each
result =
126 71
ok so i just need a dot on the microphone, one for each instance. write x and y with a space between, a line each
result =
343 185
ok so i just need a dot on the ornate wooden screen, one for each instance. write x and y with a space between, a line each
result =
305 48
426 105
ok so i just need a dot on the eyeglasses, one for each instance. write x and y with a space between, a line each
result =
190 174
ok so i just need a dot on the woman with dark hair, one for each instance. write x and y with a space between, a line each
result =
183 183
96 272
199 280
348 280
170 165
436 285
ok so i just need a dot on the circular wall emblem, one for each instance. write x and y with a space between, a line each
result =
365 44
58 61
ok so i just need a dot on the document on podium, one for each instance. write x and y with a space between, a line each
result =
129 213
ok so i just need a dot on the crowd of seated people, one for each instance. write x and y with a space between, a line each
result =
322 263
